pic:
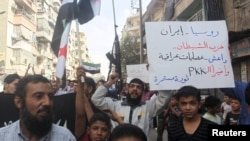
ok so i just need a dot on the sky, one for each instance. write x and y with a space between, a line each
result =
100 30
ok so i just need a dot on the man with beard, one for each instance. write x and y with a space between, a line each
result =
132 110
33 98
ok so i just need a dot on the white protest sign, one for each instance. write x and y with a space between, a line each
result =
138 71
188 53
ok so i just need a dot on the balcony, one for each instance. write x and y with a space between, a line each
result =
28 5
186 10
44 56
22 18
43 35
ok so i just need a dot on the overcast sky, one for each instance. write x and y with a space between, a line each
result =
100 30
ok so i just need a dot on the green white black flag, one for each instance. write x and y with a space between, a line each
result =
91 67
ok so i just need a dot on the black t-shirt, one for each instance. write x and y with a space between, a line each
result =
9 113
176 131
232 119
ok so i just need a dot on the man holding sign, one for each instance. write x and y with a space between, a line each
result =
132 110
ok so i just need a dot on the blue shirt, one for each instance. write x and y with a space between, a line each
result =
13 133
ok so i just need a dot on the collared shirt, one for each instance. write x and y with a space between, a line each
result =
13 133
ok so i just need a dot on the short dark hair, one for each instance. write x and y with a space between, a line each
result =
187 91
236 98
90 82
211 101
138 81
21 88
102 81
127 130
101 117
11 77
247 94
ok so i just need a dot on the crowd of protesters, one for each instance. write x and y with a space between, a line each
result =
129 115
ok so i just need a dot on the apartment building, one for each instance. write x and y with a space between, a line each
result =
26 31
132 26
76 54
18 28
46 19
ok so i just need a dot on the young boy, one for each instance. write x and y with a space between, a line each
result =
99 128
232 118
226 106
191 126
127 132
213 104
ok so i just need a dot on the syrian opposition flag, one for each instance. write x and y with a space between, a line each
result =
67 13
88 9
84 11
59 42
62 54
91 68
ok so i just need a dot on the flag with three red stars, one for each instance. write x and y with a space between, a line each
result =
84 11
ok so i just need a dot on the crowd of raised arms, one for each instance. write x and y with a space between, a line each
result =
102 114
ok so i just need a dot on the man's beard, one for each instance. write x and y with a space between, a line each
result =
133 101
34 125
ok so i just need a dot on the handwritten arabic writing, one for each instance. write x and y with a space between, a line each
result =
137 70
171 56
174 78
187 53
204 45
209 70
179 31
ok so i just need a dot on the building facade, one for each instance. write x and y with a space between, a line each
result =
26 31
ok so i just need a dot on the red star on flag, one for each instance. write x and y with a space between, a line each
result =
63 51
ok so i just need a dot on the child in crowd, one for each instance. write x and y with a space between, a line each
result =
213 105
232 117
226 106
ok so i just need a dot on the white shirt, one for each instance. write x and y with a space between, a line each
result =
13 132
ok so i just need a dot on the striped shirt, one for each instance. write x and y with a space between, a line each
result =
13 133
176 131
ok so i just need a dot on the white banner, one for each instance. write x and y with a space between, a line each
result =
188 53
137 71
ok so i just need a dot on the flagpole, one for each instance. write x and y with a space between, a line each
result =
79 46
141 34
114 16
115 26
